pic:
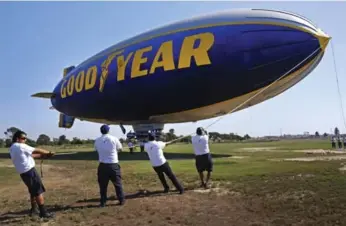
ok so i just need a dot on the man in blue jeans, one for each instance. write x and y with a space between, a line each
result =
107 147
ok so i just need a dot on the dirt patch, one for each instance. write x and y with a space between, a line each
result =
291 195
217 191
255 149
6 165
320 151
238 157
299 176
342 168
310 159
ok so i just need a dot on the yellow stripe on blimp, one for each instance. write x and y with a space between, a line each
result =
226 107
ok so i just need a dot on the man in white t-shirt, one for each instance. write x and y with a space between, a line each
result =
131 146
22 156
203 159
107 147
333 142
160 165
340 142
141 144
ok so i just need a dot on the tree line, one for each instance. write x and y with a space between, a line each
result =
44 139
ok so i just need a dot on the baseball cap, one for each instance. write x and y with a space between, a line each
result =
104 129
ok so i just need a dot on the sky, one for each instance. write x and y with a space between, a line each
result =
39 39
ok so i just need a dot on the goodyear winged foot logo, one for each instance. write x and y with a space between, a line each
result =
105 69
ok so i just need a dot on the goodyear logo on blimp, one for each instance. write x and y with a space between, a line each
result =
86 80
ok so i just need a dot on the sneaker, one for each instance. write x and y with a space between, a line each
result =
121 203
166 190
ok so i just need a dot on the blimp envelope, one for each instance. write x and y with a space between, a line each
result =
192 69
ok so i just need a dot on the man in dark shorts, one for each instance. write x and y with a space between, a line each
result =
340 142
333 142
22 156
203 159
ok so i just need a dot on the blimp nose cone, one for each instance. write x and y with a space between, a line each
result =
323 39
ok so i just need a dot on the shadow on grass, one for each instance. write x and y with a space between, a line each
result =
15 217
123 156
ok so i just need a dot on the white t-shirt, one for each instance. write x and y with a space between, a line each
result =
154 150
21 157
200 144
130 144
107 147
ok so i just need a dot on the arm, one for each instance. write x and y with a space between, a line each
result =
41 153
119 146
36 152
162 144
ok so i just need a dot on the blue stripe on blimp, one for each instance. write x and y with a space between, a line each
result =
241 59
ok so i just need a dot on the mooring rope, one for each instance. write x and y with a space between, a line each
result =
259 92
337 84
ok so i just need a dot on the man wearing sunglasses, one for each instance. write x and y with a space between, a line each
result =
22 156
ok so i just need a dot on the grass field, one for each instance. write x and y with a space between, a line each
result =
251 185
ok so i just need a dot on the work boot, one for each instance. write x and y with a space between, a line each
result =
46 215
34 211
103 200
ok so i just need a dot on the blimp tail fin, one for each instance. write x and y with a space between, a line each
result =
66 121
46 95
67 70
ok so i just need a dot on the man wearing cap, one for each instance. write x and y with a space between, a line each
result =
22 156
155 152
107 147
203 159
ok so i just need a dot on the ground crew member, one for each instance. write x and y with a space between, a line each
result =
107 147
333 142
131 146
141 144
339 142
160 165
203 159
22 156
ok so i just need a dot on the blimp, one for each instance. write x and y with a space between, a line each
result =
190 70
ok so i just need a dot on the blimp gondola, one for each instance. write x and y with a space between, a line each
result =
190 70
